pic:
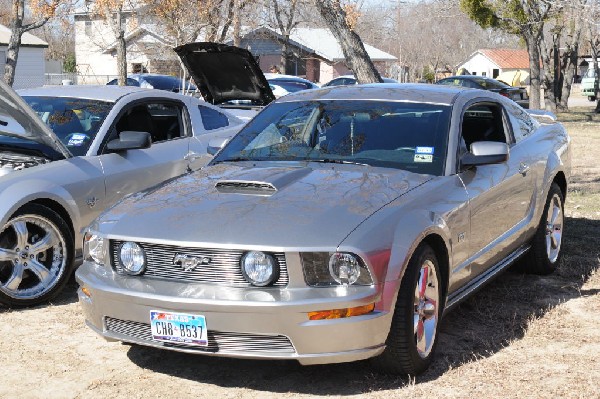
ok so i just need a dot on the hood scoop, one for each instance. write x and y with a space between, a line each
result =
245 187
261 181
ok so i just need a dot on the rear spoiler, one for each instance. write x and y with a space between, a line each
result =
542 116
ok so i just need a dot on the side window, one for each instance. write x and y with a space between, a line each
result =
523 124
163 120
212 119
483 122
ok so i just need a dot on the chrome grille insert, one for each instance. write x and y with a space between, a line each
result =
218 341
222 269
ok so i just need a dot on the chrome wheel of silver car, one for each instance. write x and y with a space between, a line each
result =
554 225
411 341
35 256
545 252
425 318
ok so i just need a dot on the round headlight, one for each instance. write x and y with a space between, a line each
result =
259 269
132 258
344 268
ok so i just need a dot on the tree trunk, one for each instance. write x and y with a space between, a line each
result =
535 70
237 22
12 52
549 80
568 65
122 59
284 55
352 46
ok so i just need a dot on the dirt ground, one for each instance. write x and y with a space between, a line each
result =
521 336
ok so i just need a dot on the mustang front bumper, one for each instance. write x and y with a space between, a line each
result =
270 323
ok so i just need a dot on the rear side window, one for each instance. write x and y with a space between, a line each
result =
212 119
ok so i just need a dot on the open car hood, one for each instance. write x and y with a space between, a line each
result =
17 119
225 73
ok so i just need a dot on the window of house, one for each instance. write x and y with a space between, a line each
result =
495 73
483 73
88 28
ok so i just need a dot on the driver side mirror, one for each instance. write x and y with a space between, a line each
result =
485 153
215 145
130 140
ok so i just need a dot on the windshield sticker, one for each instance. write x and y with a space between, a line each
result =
424 150
77 140
423 158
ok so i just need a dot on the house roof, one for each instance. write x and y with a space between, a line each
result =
507 58
322 43
27 40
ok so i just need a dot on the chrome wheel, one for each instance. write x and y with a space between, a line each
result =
554 226
426 304
32 257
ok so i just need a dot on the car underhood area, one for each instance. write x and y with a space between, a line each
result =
10 162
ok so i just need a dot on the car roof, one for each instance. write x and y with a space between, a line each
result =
278 76
409 92
102 93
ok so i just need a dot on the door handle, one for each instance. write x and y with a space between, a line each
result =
523 168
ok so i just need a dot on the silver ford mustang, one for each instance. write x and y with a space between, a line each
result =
340 224
98 145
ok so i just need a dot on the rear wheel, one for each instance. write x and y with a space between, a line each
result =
545 252
413 334
36 256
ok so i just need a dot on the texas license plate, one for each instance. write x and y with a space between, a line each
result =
178 327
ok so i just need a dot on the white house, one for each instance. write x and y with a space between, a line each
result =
30 63
496 62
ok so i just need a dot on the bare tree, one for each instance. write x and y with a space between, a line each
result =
42 11
594 42
284 12
340 21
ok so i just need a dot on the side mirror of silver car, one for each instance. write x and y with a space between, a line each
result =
130 140
485 153
215 145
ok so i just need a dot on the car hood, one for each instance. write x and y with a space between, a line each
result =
277 206
225 73
17 119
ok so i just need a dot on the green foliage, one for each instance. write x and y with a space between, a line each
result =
428 75
69 64
480 11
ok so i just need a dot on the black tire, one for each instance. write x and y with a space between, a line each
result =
401 355
39 271
542 259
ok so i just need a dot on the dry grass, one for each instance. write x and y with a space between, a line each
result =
520 337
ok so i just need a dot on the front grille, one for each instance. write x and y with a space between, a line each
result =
223 269
218 341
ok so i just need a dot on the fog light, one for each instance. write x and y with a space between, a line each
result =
341 313
259 268
133 258
344 268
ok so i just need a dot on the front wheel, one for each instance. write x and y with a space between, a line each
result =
413 334
545 252
36 256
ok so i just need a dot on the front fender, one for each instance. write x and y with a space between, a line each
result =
15 194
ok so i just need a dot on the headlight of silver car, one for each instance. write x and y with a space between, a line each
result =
132 257
259 269
325 269
94 248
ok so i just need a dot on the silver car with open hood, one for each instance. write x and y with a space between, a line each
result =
340 224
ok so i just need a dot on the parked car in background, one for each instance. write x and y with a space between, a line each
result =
277 90
587 83
98 144
156 81
290 83
517 94
347 222
345 80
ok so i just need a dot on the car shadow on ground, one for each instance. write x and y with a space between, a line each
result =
67 296
478 328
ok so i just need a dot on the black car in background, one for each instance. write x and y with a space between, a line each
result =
156 81
517 94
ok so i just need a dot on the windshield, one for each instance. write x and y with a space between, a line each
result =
75 121
399 135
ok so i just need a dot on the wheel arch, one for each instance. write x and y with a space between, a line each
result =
58 208
437 243
561 180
